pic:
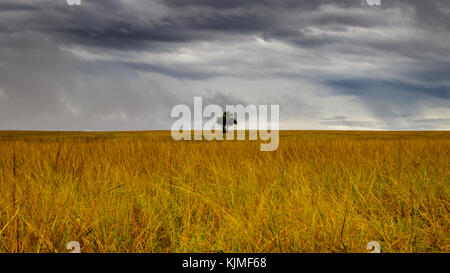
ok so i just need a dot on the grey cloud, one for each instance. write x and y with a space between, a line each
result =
14 6
248 4
343 121
175 72
431 124
392 60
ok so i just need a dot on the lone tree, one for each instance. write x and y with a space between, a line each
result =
226 120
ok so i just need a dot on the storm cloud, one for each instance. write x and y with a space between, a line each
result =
123 65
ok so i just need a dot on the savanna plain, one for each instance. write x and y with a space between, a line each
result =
320 191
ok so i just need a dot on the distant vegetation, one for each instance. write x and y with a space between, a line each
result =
321 191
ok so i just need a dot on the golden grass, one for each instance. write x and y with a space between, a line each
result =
321 191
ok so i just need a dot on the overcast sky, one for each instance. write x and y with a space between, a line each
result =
123 65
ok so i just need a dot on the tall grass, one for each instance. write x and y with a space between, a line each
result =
143 192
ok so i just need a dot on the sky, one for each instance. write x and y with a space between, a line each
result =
124 64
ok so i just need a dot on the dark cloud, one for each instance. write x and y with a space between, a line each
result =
111 64
14 6
359 87
248 4
175 72
433 14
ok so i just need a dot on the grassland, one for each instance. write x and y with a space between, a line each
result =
321 191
